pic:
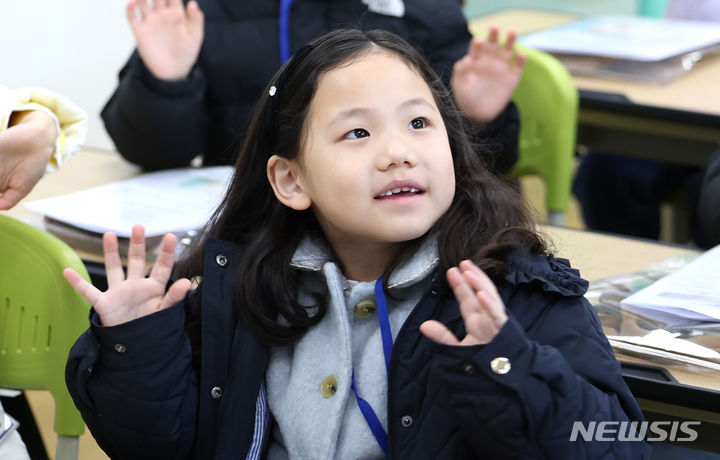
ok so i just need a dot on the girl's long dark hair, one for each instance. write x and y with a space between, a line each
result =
486 219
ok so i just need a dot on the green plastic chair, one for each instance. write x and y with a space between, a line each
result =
41 316
547 100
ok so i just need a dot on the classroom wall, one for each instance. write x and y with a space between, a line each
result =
74 47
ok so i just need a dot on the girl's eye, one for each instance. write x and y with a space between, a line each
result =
356 133
418 123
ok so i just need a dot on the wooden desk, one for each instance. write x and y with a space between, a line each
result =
678 122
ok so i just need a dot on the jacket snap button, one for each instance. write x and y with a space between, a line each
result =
500 365
216 393
365 308
469 368
221 260
120 348
329 386
406 421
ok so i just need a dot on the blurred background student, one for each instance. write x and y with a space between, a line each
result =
189 87
623 195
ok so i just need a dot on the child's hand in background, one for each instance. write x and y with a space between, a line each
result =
481 307
168 36
484 80
135 296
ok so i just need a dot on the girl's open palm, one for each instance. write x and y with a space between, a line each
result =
135 296
481 307
484 80
168 35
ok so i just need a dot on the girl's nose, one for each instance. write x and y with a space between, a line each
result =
396 153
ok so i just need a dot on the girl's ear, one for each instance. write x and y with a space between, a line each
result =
284 179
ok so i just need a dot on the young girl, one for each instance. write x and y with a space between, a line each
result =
343 301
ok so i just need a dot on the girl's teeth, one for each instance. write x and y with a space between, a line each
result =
398 190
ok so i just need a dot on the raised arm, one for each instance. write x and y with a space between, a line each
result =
483 75
131 373
528 389
157 116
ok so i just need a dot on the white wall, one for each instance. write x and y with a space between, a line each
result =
74 47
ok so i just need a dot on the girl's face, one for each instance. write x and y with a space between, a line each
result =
376 164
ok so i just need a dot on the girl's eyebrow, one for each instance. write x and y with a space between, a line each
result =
417 101
351 112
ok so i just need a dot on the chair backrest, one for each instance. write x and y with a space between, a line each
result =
547 100
41 316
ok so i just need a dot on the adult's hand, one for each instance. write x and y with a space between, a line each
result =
26 147
168 35
135 296
484 80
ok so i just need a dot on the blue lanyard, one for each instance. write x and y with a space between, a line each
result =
384 318
284 30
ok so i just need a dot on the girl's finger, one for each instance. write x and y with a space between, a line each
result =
162 269
113 264
174 3
495 310
478 280
195 17
136 253
85 289
437 332
494 35
519 61
510 40
176 293
464 294
132 13
475 48
144 7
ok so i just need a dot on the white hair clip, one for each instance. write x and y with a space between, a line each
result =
272 91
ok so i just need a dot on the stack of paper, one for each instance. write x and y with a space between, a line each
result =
172 201
646 49
691 293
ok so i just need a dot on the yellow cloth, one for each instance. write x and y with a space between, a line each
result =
71 120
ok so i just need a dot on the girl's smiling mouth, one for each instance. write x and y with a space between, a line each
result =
400 189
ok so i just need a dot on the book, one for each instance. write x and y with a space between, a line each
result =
175 201
644 49
690 293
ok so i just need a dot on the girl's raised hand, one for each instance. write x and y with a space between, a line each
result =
484 80
135 296
481 307
168 35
